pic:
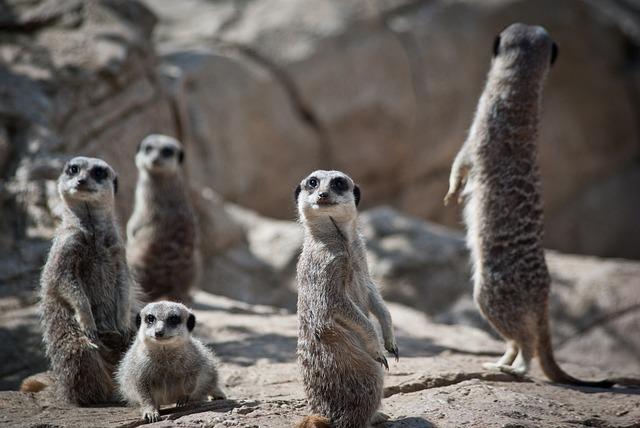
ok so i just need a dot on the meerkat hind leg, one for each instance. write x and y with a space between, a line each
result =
506 360
520 366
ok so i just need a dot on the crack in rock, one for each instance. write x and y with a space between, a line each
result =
446 379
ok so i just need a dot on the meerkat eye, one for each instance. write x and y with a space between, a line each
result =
99 173
72 170
149 319
312 183
339 185
148 149
173 320
166 152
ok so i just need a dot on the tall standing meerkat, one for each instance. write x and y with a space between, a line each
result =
339 350
87 294
503 210
161 233
165 364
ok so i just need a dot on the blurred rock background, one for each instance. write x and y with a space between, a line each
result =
263 91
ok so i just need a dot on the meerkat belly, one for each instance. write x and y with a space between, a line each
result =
102 288
167 381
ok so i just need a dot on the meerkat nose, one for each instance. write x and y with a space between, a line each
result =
160 333
323 195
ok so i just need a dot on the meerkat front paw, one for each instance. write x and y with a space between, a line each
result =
183 401
392 348
91 338
150 415
382 360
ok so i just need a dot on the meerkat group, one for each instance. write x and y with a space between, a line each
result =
90 302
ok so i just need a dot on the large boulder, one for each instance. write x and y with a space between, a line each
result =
387 90
77 78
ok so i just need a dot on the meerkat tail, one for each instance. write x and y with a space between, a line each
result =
36 382
314 421
551 368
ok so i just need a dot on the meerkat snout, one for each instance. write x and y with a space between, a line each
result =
159 154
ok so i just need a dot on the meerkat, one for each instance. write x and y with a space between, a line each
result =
161 233
165 364
339 350
87 294
497 166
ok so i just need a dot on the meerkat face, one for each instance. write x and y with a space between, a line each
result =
87 180
528 45
159 154
165 324
327 193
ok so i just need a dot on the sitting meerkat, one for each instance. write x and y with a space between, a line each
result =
87 297
165 364
339 350
161 233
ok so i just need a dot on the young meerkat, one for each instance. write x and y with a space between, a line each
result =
161 233
503 211
87 294
339 350
165 364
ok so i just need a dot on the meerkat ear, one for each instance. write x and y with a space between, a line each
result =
180 156
297 193
496 46
356 194
191 322
554 52
115 185
139 146
138 321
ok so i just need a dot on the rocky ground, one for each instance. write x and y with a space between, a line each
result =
438 382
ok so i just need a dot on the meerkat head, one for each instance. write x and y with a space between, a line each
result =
165 324
527 47
159 154
327 193
88 180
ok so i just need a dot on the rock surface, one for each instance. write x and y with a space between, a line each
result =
438 382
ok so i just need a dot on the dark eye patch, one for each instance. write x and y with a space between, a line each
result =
167 152
148 149
149 319
173 320
339 185
312 183
72 170
99 173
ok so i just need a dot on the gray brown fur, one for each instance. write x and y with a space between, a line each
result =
339 350
161 233
503 211
87 294
165 364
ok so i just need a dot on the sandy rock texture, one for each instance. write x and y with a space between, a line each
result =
438 382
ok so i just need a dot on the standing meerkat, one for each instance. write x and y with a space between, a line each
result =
503 211
339 350
161 233
87 294
165 364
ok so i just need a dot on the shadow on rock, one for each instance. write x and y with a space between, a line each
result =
245 352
